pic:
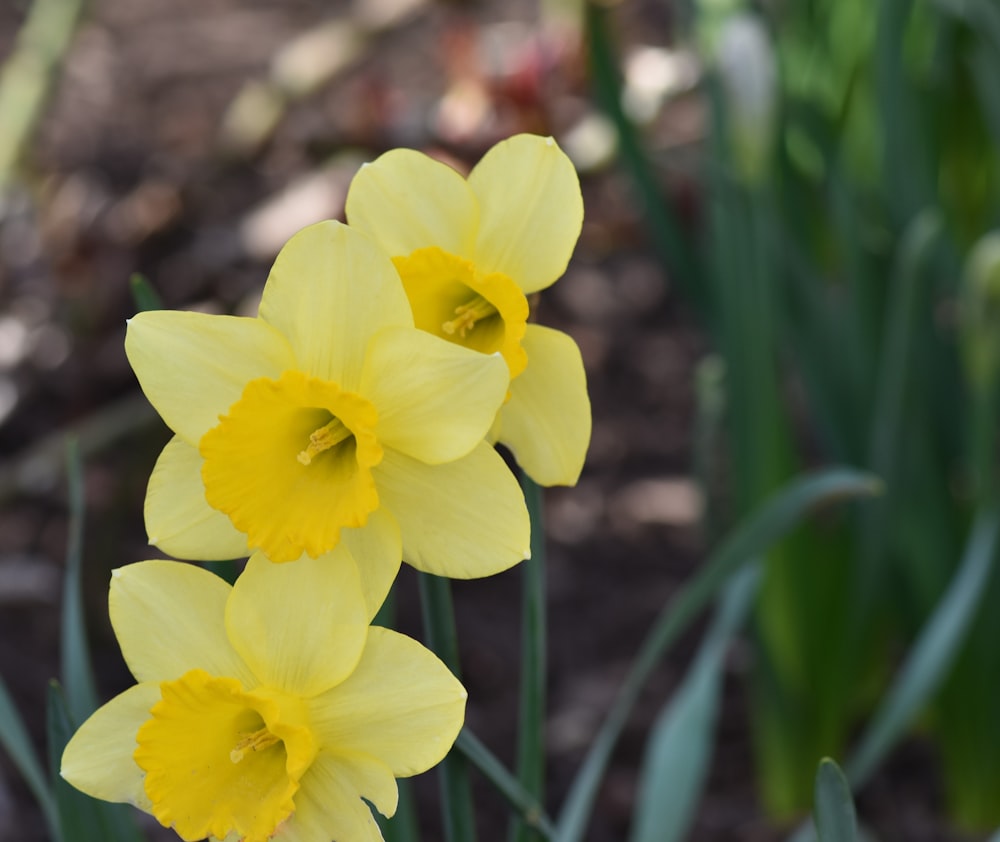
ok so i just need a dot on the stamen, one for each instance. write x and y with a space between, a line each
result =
467 316
256 741
324 438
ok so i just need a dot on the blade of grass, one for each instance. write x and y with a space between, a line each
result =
755 535
524 802
77 673
15 741
439 625
934 651
834 807
531 721
679 750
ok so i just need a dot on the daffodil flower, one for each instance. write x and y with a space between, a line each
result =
265 710
327 418
470 252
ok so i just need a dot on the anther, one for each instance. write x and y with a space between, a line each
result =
256 741
467 315
324 438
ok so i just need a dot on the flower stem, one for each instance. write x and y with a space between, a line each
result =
439 626
531 736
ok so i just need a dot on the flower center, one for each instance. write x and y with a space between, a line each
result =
330 434
290 464
451 299
219 759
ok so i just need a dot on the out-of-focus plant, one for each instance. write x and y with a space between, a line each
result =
840 210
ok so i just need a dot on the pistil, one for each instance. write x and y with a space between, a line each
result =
255 741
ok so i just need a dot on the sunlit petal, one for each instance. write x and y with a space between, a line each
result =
407 201
546 422
378 552
178 518
168 618
435 400
98 759
193 366
531 210
330 290
462 519
401 705
301 626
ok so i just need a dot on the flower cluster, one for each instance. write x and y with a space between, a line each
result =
347 427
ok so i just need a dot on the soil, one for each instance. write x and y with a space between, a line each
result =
134 170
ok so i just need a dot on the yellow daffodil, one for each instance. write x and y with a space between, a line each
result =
469 252
263 711
328 417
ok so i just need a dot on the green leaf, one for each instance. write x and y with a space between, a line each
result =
77 673
15 741
680 747
81 818
934 651
767 525
834 808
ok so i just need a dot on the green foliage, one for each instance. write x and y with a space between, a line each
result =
834 807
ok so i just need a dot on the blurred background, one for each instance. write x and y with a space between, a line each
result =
786 263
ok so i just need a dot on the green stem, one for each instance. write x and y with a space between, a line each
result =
527 806
531 736
456 792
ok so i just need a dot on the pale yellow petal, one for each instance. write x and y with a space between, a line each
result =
463 519
169 618
178 518
98 759
330 290
378 552
193 366
300 626
435 400
546 422
531 210
328 806
401 705
407 200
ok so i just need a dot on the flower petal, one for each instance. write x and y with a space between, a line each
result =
531 210
401 705
406 200
299 626
328 805
193 366
330 289
178 518
463 519
435 399
546 422
168 618
98 759
378 552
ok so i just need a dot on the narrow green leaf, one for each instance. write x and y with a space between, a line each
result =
531 721
934 651
77 674
834 807
145 297
81 818
527 806
456 792
767 525
402 827
15 741
679 750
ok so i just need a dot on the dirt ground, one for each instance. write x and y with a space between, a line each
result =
144 164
